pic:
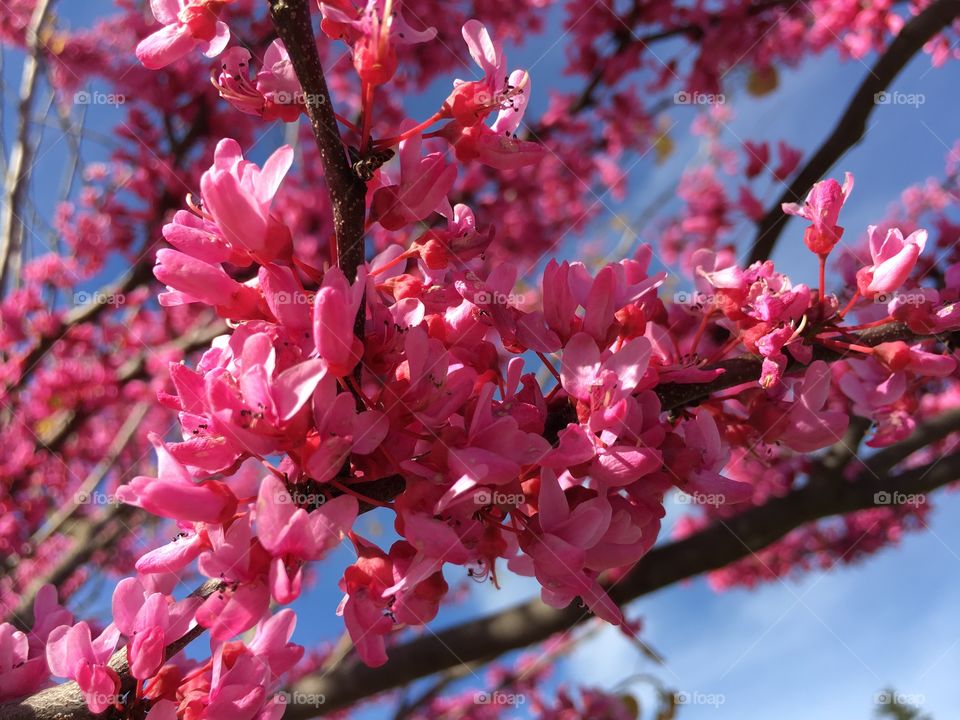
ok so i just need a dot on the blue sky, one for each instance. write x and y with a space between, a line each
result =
817 646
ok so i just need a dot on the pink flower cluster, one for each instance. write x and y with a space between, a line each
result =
529 431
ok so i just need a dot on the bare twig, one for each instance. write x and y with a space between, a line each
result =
18 170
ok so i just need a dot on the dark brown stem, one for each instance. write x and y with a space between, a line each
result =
291 18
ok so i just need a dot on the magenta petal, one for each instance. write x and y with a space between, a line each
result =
165 46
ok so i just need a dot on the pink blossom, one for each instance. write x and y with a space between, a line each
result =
421 190
275 93
175 494
20 674
150 623
471 101
238 194
339 432
237 559
294 537
187 24
73 655
810 425
373 33
560 552
190 280
497 146
363 607
334 312
602 382
822 209
893 259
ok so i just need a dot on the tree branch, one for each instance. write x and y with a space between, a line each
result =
291 18
65 702
714 547
853 123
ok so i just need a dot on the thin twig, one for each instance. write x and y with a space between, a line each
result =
18 170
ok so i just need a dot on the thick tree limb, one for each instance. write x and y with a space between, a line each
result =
853 123
710 549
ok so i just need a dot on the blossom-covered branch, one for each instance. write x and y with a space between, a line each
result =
713 547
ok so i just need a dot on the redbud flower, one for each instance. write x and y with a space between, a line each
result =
822 209
373 33
422 188
72 654
175 494
187 24
471 101
893 259
238 194
276 94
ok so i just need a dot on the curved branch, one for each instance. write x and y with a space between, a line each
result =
710 549
852 125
